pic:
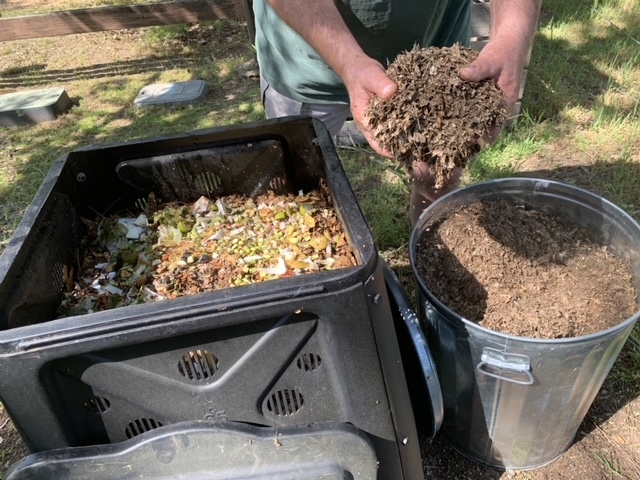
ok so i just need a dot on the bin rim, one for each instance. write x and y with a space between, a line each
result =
416 232
420 345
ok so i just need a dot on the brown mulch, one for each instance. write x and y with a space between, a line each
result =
520 272
435 116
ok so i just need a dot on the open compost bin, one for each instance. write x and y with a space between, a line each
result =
311 360
512 401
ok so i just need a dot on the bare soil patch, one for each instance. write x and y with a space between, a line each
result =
520 272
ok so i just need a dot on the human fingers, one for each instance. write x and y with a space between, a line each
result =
496 61
365 79
373 143
362 122
368 79
484 67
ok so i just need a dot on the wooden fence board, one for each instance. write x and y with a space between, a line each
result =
97 19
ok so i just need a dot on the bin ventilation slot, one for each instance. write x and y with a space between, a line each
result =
309 362
278 183
141 425
97 404
198 365
285 402
141 204
207 182
58 276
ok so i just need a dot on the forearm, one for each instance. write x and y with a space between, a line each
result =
515 22
322 27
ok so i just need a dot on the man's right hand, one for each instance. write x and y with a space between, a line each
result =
364 79
322 27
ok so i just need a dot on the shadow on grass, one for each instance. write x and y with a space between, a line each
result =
546 94
564 75
381 188
38 75
176 47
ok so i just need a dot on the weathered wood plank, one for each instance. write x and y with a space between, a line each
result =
146 15
98 19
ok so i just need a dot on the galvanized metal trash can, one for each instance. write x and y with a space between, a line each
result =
516 402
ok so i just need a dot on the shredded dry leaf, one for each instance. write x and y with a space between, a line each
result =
435 116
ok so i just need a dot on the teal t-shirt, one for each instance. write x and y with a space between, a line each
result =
383 28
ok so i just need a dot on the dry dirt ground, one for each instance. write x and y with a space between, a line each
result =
607 445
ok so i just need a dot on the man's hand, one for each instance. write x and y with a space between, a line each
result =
365 78
513 25
496 61
322 27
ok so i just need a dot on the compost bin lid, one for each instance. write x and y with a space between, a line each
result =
419 366
236 450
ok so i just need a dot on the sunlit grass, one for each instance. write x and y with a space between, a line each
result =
382 189
580 112
104 109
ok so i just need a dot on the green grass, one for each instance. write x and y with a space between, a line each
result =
517 143
382 189
105 110
608 466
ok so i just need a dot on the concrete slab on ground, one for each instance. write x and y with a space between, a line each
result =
175 93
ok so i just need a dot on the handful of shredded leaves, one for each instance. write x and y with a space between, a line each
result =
184 249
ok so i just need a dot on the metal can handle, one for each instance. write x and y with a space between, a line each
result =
510 367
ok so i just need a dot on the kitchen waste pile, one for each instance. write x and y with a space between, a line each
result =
183 249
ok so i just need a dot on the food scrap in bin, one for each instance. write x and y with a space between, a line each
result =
182 249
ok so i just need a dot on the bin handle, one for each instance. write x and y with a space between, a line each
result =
513 367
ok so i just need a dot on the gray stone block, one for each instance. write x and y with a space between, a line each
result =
175 93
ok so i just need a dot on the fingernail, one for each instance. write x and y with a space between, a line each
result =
468 70
389 90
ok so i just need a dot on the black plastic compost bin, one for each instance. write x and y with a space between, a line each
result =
312 351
